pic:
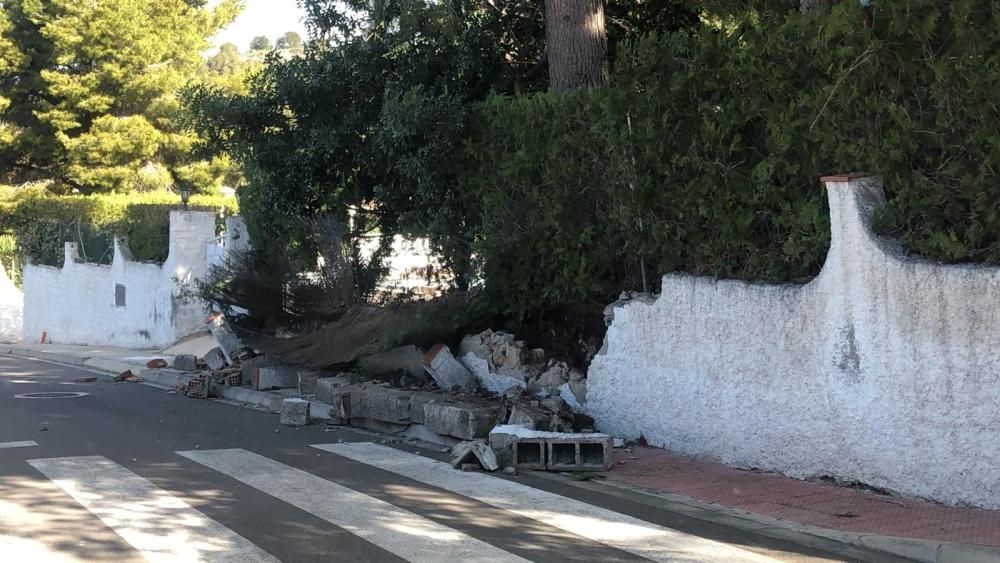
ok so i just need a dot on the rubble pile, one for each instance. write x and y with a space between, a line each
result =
494 381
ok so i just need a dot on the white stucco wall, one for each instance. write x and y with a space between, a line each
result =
75 304
884 369
11 305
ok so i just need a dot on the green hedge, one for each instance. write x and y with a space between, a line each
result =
41 223
730 129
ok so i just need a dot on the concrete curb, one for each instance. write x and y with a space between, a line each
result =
923 551
160 378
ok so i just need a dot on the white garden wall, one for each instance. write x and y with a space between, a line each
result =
77 304
11 306
884 369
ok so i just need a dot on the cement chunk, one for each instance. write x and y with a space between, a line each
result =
275 378
477 451
460 420
294 412
215 359
185 362
448 372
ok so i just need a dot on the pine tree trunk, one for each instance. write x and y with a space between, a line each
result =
576 43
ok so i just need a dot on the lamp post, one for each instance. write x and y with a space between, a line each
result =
185 196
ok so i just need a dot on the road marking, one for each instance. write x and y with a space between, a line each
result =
160 526
393 529
24 444
592 522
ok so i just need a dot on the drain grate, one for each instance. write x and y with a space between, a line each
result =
52 395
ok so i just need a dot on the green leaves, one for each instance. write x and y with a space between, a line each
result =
92 104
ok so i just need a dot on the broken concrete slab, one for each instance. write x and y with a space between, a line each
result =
448 372
224 337
573 399
274 378
408 359
215 359
498 383
308 380
326 387
478 452
554 377
461 420
294 412
530 416
186 362
382 404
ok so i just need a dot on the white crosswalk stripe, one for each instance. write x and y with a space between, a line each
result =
398 531
592 522
160 526
22 444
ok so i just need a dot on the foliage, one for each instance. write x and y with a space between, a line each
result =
96 99
369 125
261 43
717 174
290 41
41 222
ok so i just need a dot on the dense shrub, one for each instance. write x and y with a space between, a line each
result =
41 223
730 129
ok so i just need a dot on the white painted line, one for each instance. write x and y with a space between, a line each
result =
393 529
24 444
160 526
592 522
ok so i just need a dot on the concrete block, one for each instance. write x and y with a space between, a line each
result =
294 412
382 404
215 359
275 378
186 362
308 378
580 454
276 404
417 401
465 421
448 372
530 453
407 359
327 387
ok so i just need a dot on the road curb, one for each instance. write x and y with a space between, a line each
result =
159 378
923 551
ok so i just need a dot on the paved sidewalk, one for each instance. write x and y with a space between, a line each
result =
809 504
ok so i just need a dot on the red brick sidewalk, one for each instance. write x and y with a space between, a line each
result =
814 504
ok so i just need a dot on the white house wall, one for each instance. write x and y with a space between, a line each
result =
76 304
884 369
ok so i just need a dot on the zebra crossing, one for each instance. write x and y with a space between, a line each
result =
161 526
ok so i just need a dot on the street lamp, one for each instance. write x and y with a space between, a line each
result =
185 195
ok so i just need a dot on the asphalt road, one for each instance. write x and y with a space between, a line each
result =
128 472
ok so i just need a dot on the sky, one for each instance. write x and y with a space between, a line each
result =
271 18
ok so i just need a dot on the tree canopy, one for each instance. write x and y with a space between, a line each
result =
95 105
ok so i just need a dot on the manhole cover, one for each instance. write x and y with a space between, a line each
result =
52 395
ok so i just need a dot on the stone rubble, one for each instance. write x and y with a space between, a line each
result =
447 372
294 412
477 452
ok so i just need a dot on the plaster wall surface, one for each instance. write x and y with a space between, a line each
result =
127 304
11 306
883 369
